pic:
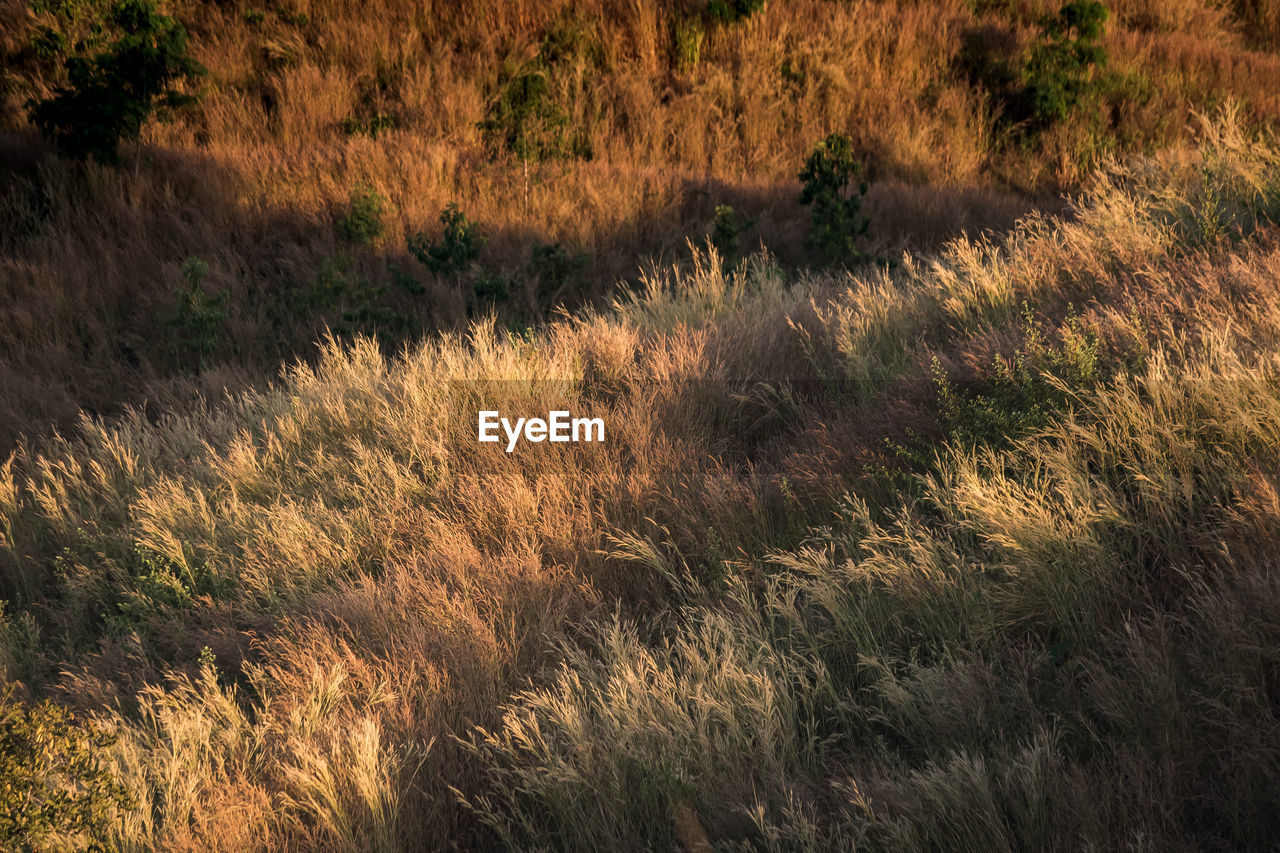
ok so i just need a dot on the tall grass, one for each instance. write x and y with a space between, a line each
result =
256 180
794 601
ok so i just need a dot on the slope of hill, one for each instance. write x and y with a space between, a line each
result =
977 553
581 137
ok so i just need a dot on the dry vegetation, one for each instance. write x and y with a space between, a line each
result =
654 114
974 553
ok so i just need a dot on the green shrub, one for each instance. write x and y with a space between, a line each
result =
1059 67
688 35
491 287
156 585
726 228
793 75
459 245
1053 76
111 94
405 281
351 302
554 269
372 127
1024 391
48 43
198 318
56 791
531 116
363 223
733 11
525 119
834 195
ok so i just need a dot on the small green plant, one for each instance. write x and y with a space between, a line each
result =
363 223
733 11
688 35
554 268
1021 394
56 789
372 127
352 302
405 281
294 19
525 119
834 195
491 287
459 245
48 43
726 229
793 74
198 318
158 585
112 93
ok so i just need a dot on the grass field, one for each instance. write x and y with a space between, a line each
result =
973 553
643 119
968 543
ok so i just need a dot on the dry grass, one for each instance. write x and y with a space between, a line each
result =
254 179
743 617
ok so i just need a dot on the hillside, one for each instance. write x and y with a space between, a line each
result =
580 137
975 552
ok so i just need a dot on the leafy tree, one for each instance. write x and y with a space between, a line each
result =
112 93
1045 84
834 194
1059 66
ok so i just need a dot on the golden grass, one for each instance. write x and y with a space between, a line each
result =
744 614
254 178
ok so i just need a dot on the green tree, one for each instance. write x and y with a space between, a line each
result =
112 93
1059 67
834 194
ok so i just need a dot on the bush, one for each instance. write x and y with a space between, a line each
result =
372 127
531 117
1059 68
1055 73
554 269
829 177
726 228
363 224
525 119
733 11
113 93
458 247
56 792
1024 391
491 287
351 303
688 35
198 318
